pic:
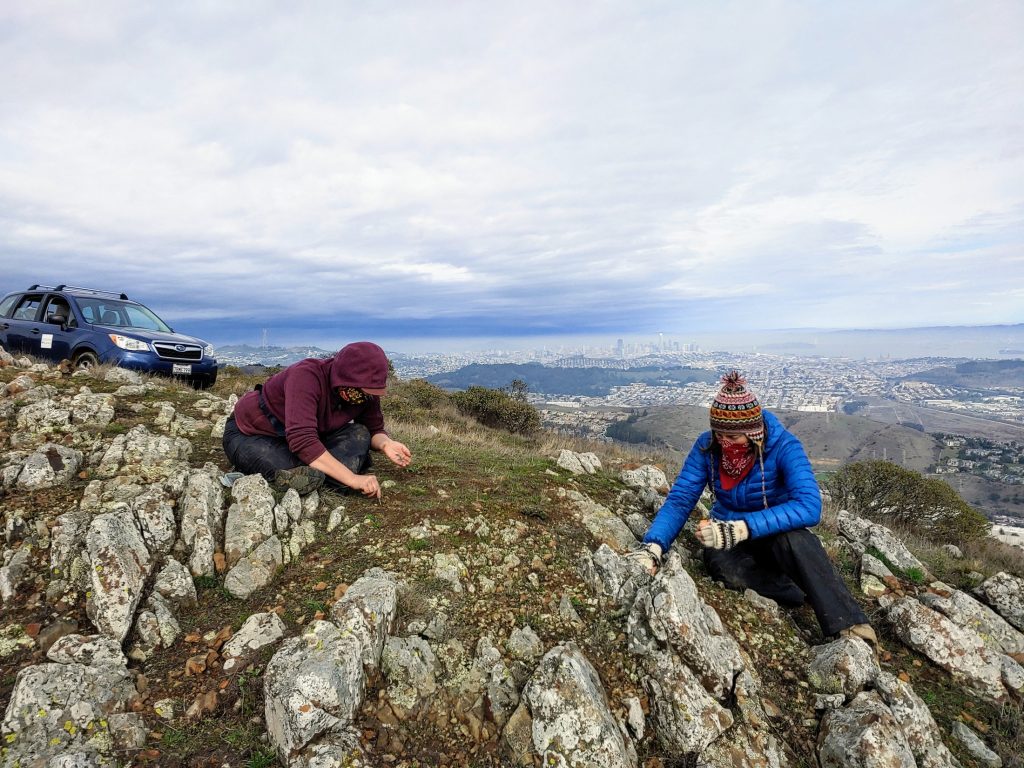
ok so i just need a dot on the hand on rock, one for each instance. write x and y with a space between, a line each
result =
648 555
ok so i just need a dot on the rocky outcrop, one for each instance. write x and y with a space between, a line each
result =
118 566
604 526
578 463
314 684
647 476
864 733
571 722
250 519
1005 593
872 535
964 611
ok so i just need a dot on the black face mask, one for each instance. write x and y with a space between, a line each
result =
354 395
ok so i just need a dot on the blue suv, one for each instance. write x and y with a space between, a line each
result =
90 327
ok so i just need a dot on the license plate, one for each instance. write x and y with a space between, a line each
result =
181 368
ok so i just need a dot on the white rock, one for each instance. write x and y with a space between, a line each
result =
975 746
49 466
1005 593
120 564
647 476
90 650
175 583
256 570
845 666
864 733
250 519
258 631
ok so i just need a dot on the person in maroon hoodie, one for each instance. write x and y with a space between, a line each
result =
316 421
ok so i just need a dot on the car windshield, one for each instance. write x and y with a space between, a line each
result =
120 314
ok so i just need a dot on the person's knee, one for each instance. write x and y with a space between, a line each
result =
795 542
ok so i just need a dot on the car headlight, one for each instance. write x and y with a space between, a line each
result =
208 350
127 342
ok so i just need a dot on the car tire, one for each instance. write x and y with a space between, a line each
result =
85 360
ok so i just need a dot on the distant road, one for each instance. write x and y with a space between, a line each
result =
935 420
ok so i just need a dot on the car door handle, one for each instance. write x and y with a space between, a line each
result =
5 326
34 330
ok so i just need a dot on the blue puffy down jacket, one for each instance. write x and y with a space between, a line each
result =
788 499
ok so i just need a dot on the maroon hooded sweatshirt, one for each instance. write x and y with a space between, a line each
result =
304 398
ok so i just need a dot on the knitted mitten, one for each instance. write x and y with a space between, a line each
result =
648 555
722 534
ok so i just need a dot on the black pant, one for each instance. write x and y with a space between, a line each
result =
789 568
266 455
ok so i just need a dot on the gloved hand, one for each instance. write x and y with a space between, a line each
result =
722 534
648 555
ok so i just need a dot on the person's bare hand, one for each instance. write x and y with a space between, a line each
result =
397 453
367 485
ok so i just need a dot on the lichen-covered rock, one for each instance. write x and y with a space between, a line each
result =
258 631
647 476
686 717
975 746
119 565
122 376
92 410
670 613
572 723
450 569
578 463
524 645
873 535
14 574
610 574
154 517
202 519
148 456
51 465
43 417
864 734
410 667
368 610
965 611
250 519
605 526
845 666
1005 593
957 650
91 650
314 684
175 583
61 710
256 570
67 540
916 722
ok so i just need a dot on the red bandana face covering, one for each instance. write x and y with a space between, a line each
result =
736 458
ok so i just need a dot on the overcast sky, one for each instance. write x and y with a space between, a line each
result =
478 169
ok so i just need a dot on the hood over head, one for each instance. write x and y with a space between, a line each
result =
362 364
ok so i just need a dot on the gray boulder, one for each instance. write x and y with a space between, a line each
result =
202 518
92 410
368 610
250 519
845 666
916 721
572 722
258 631
51 465
669 613
256 570
975 746
879 537
959 651
613 576
91 650
864 734
175 583
965 611
410 667
154 517
687 718
1005 593
143 454
578 463
119 565
647 476
601 522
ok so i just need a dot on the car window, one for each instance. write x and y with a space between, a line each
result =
6 304
102 312
57 305
140 317
28 307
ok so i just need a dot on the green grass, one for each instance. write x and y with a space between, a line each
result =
417 545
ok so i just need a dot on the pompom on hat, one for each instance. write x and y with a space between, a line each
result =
735 409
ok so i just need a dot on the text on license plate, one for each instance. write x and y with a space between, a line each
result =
182 368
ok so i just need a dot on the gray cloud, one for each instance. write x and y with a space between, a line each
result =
651 165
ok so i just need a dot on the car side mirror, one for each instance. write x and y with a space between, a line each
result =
57 319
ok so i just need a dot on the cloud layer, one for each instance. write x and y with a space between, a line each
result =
454 169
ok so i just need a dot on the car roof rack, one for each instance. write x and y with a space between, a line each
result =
38 287
63 287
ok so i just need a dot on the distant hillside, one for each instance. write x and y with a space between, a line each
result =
976 374
566 381
830 439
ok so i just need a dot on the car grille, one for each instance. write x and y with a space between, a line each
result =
168 351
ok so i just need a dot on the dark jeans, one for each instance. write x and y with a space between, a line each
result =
789 568
266 455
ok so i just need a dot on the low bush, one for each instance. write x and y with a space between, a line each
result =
892 495
495 408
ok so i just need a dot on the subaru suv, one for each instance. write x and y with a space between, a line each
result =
88 327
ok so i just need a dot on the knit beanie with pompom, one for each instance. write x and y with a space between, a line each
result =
735 409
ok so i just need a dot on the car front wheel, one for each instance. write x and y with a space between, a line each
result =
86 360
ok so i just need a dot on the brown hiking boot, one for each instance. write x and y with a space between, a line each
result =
863 632
304 480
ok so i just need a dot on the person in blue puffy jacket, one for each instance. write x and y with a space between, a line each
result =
765 499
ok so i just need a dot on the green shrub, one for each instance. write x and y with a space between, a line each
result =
495 408
890 494
416 400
